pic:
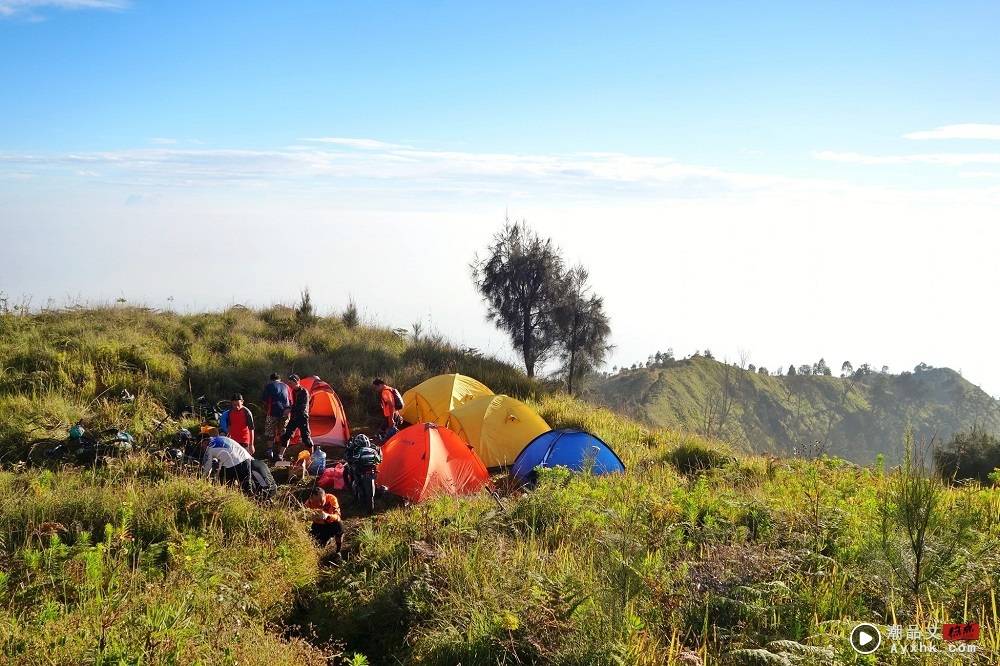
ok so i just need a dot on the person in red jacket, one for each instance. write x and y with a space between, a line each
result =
237 423
387 403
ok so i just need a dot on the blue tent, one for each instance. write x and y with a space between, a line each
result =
575 449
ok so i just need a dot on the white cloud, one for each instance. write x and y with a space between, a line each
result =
980 174
162 141
961 131
30 8
386 165
365 144
370 174
949 159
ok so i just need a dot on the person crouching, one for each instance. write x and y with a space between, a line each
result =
326 522
233 460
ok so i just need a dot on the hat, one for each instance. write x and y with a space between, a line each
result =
293 377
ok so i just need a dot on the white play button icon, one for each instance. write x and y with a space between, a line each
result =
866 638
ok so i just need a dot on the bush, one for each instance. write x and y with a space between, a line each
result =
692 458
970 454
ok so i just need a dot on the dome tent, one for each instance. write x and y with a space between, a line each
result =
327 420
425 460
497 426
575 449
432 400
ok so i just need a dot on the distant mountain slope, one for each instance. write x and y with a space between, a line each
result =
857 417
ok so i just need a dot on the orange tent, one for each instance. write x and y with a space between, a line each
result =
327 420
424 460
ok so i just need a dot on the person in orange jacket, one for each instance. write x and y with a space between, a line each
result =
387 403
326 521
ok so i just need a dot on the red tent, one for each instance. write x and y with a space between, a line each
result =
327 420
423 460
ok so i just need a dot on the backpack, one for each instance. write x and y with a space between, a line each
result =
367 456
262 482
332 478
397 399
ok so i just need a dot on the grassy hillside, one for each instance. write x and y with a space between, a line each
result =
59 366
856 418
698 555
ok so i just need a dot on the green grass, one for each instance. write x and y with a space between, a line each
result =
725 561
701 553
134 564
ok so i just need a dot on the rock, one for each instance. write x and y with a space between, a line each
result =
758 657
688 658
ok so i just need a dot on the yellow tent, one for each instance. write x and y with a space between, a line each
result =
497 427
431 401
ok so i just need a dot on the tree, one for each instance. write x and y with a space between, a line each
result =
708 354
805 369
519 280
350 316
846 370
305 315
821 368
923 527
762 371
791 370
581 326
719 404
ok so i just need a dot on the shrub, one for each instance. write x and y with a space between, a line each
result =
970 454
692 458
350 317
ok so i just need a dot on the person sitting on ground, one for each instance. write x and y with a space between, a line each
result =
233 461
387 403
326 523
277 404
237 423
299 417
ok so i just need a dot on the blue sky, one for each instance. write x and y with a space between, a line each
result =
774 168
